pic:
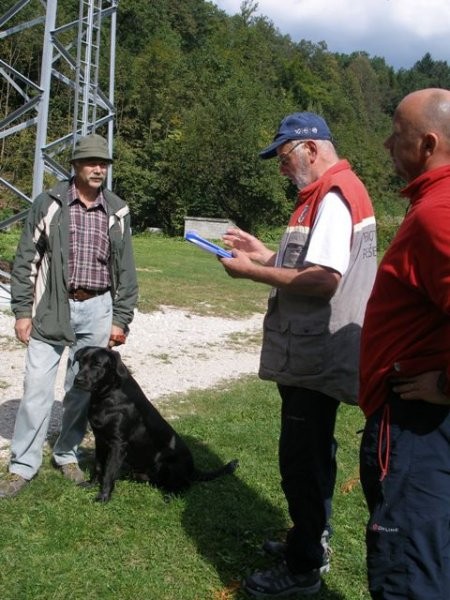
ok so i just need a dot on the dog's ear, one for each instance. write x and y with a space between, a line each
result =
120 368
79 353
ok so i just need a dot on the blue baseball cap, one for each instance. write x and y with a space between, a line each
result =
298 126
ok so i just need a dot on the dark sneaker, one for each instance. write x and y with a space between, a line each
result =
73 473
279 581
278 550
11 485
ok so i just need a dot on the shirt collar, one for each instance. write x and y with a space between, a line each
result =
72 196
421 184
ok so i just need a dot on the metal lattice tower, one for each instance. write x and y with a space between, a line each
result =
71 61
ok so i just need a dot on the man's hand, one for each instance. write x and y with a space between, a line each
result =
250 245
421 387
240 266
117 336
22 329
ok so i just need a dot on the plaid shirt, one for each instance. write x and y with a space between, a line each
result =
89 251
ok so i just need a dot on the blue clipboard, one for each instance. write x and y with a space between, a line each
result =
206 245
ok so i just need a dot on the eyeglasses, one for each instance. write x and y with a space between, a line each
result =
283 158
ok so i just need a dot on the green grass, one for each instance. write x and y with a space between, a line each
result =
8 243
174 272
56 543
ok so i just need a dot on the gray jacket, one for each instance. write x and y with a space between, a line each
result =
40 272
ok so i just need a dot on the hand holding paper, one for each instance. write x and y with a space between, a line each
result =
206 245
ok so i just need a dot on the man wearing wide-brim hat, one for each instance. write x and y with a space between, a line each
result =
73 284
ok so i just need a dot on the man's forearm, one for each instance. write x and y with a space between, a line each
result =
311 281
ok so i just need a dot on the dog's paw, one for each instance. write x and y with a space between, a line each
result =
233 465
101 497
87 484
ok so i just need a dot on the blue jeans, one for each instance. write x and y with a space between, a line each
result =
91 321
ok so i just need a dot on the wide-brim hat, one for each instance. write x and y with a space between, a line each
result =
91 146
298 126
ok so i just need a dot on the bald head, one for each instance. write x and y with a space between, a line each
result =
430 109
420 140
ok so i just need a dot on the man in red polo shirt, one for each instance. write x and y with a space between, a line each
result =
405 362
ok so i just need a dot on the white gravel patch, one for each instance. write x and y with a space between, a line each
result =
168 351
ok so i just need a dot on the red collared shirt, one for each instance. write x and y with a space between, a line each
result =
407 323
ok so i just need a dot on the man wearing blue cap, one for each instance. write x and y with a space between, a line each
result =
73 284
321 278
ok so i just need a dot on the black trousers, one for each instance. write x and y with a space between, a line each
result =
307 457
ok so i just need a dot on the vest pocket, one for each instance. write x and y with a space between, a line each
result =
306 347
296 348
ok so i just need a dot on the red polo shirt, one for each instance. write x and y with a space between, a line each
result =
406 328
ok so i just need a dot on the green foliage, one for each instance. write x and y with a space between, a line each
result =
386 229
203 93
198 95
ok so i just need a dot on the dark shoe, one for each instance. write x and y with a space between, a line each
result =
274 548
278 550
73 473
279 581
11 485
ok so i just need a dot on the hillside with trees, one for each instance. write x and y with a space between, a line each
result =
199 93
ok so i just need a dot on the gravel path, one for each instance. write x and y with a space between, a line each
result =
167 351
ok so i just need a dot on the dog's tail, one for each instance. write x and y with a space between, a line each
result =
227 469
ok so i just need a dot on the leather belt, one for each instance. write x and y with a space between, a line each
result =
80 294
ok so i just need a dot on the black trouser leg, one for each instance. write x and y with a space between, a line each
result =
307 455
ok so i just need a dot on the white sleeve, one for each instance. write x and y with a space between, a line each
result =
331 234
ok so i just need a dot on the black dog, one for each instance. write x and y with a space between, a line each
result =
128 429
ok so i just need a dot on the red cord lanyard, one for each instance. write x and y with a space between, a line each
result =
384 435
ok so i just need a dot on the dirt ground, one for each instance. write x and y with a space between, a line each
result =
167 351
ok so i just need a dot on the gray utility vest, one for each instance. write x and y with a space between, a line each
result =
312 342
